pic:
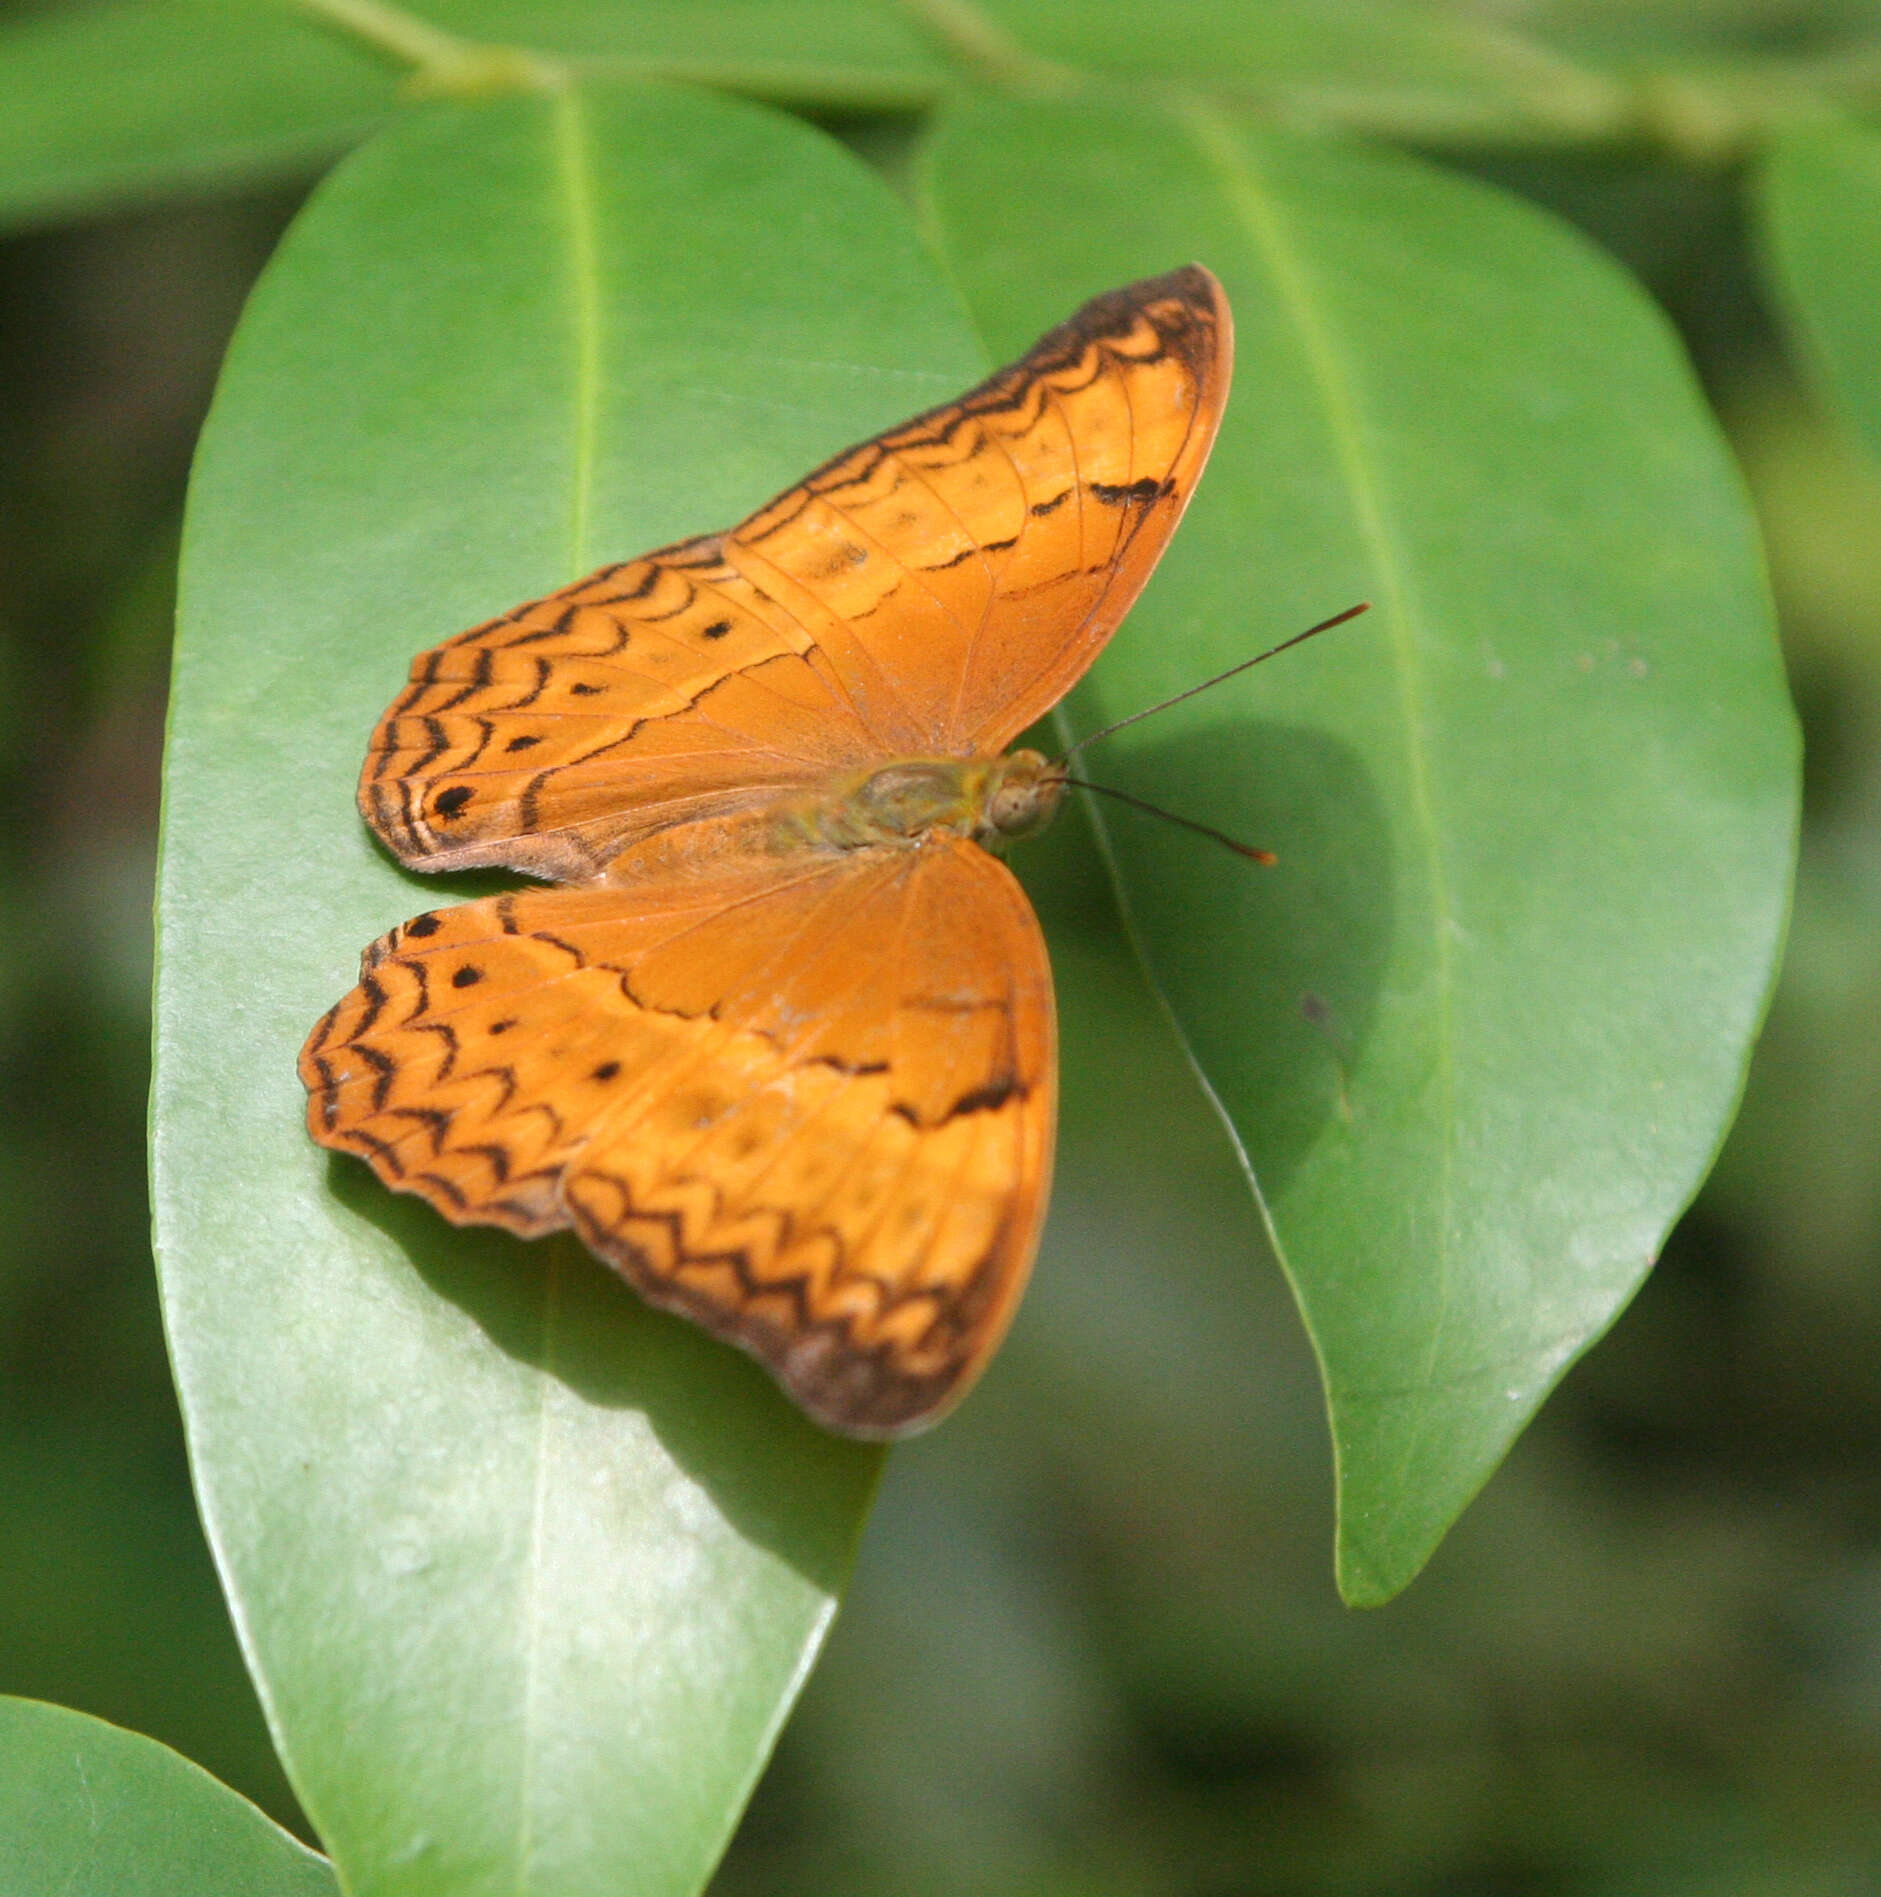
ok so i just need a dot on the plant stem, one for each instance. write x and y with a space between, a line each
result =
987 50
442 64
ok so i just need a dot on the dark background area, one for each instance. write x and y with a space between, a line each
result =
1094 1645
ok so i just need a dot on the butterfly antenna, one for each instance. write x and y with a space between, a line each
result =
1149 711
1264 857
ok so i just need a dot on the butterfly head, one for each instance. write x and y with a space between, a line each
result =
1021 796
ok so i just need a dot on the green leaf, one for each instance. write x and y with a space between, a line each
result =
527 1573
1820 198
89 1810
122 103
1480 1032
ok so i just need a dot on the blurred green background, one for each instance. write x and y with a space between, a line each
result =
1093 1646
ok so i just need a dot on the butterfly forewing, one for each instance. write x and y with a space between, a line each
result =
983 552
929 593
813 1112
652 692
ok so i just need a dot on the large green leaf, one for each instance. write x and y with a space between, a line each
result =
135 99
1480 1032
1821 203
89 1810
527 1573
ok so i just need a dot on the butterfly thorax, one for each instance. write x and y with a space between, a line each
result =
992 800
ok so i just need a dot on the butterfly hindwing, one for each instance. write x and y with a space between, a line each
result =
810 1106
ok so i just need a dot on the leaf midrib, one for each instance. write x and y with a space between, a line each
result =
1259 216
573 173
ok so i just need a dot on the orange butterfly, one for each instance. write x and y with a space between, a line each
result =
782 1050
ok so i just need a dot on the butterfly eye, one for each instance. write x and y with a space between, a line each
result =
1024 798
1021 806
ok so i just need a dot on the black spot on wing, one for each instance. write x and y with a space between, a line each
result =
989 1097
1133 493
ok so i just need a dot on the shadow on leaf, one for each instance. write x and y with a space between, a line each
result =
1272 973
784 1484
